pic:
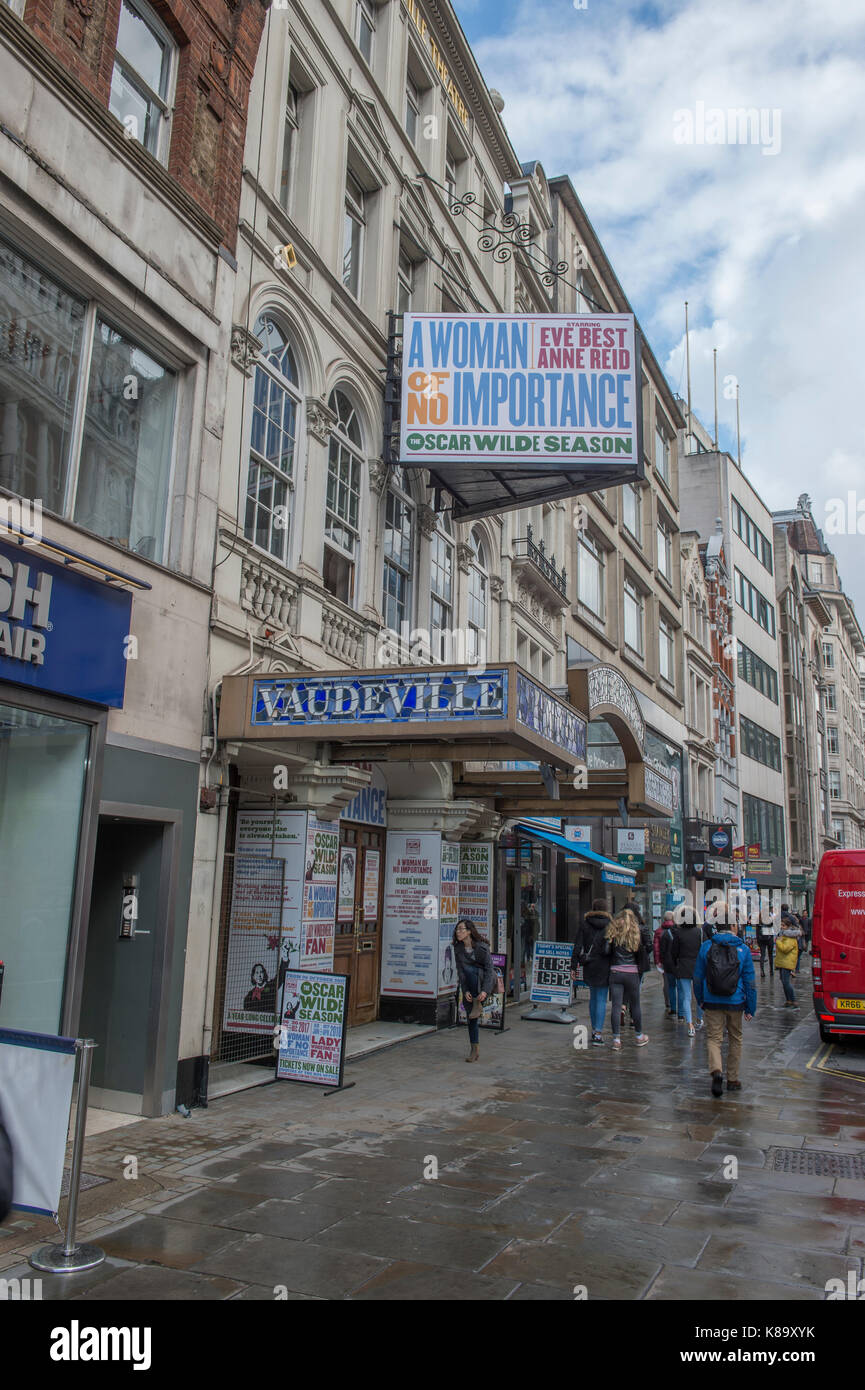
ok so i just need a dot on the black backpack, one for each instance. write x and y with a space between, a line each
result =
722 968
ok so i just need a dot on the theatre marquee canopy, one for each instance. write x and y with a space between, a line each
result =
409 714
509 409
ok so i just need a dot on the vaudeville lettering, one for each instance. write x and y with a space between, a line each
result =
374 699
551 719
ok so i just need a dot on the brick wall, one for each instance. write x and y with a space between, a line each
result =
218 43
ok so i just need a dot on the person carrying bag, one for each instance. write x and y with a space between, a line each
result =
477 976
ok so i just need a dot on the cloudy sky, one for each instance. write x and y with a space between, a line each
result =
766 241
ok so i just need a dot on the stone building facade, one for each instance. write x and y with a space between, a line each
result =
120 168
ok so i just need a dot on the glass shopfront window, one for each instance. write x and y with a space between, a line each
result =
43 769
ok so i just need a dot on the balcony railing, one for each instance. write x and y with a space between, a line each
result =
526 548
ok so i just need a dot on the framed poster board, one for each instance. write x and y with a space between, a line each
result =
312 1028
551 973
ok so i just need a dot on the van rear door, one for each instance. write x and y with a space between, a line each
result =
842 935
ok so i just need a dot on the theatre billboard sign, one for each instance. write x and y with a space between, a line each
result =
541 405
500 710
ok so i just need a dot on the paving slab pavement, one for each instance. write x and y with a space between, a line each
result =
538 1171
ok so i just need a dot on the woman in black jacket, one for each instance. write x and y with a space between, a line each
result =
590 952
684 949
628 960
477 977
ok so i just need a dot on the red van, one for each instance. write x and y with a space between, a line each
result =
838 943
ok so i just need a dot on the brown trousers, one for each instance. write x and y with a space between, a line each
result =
716 1021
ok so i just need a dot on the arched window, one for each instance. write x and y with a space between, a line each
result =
478 591
398 552
342 513
441 590
272 446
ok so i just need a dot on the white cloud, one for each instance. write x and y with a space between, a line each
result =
767 250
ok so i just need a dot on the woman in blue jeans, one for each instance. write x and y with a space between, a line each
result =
628 956
590 952
684 950
477 977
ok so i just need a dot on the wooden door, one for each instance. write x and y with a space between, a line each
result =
357 949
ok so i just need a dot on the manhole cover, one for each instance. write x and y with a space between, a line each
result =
817 1163
87 1180
627 1139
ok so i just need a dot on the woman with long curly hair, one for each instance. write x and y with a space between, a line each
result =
625 947
477 977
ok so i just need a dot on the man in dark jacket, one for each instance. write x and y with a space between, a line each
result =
589 952
725 1010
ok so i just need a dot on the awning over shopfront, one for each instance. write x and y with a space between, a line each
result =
608 867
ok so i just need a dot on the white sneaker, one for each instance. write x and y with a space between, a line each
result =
641 1039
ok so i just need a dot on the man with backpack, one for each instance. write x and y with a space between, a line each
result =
724 986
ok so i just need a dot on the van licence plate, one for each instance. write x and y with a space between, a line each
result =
850 1004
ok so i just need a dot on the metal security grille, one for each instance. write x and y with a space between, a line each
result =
231 1045
817 1163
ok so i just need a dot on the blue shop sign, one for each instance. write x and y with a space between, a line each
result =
61 632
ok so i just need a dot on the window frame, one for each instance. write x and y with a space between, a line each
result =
73 438
413 102
441 540
341 440
295 393
365 10
479 568
668 632
398 489
588 544
355 212
636 492
662 472
287 168
631 590
151 19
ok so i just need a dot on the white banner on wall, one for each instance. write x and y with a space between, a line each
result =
448 916
319 894
476 885
36 1065
410 926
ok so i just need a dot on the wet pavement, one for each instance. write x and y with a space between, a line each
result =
561 1173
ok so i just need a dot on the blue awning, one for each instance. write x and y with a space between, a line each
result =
609 866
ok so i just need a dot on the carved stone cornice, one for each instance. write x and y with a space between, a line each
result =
426 520
497 585
465 555
320 420
245 348
378 475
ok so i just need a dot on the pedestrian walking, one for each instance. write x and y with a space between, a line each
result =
665 925
787 954
724 986
665 951
766 942
805 943
628 959
477 977
687 939
589 952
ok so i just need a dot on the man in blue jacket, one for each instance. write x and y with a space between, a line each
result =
724 986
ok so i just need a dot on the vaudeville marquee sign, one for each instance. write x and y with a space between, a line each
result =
501 705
